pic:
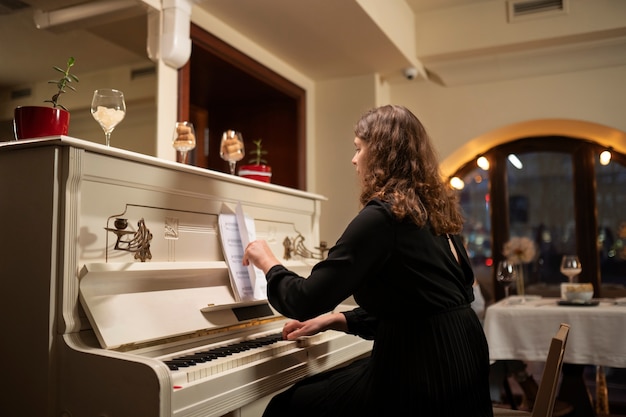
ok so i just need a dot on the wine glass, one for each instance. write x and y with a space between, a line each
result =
108 108
506 275
571 267
184 140
231 148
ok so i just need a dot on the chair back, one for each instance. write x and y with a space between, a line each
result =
546 395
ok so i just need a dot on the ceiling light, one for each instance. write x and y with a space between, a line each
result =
605 157
482 163
514 160
457 183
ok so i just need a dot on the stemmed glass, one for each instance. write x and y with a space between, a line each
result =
231 148
571 267
108 108
184 140
506 275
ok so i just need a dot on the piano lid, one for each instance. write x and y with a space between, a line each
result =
135 304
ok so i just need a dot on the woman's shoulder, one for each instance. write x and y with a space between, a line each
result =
378 204
375 216
377 208
383 211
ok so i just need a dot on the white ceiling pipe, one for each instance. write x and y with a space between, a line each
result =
73 14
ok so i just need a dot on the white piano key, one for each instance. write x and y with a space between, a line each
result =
211 368
217 366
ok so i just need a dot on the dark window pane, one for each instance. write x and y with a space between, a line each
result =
611 202
541 207
477 228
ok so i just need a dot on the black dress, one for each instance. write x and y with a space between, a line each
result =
430 355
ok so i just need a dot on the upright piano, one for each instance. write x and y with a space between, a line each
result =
116 297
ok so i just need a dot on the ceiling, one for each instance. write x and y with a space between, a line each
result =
323 39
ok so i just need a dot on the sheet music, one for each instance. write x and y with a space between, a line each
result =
236 231
247 232
233 253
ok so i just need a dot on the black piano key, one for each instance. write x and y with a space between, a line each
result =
222 351
182 362
196 358
172 366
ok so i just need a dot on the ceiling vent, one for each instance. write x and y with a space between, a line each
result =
11 6
531 9
22 93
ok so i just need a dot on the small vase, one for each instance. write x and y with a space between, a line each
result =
520 281
261 173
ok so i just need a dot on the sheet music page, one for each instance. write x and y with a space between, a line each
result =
247 232
233 253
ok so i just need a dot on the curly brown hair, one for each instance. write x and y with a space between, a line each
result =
402 169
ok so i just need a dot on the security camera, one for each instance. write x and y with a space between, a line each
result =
410 73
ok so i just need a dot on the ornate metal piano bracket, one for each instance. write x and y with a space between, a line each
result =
296 246
136 242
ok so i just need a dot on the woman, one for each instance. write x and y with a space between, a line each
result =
404 263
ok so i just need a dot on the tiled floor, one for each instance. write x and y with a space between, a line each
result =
616 384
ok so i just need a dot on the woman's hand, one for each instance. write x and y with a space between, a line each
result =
259 254
333 321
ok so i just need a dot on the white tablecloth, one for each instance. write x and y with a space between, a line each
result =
524 331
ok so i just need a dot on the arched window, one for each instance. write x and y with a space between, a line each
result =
554 191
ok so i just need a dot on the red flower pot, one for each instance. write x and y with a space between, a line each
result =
261 173
37 121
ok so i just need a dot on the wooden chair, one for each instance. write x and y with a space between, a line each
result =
546 395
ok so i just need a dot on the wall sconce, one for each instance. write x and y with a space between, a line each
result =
296 246
168 33
136 242
483 163
605 156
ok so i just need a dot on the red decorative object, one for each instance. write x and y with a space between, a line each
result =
261 173
38 121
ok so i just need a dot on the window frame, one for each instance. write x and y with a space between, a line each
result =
584 156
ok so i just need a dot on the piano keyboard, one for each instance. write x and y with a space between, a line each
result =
201 364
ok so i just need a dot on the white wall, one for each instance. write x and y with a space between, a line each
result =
338 106
135 133
454 116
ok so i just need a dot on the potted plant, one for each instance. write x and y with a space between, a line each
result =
257 168
39 121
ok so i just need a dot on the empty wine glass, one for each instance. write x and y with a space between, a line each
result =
231 148
108 108
506 275
571 267
184 140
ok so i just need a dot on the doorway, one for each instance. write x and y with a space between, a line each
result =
221 88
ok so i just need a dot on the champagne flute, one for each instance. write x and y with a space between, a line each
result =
231 148
184 140
506 274
108 108
571 267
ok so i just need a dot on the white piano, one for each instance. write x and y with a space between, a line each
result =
116 299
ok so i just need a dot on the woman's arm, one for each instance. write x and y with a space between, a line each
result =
357 322
360 252
331 321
